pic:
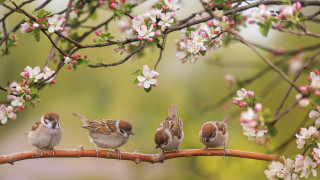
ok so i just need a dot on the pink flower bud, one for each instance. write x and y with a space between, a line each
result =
303 88
258 107
15 44
43 25
101 2
210 23
28 90
164 7
94 40
251 21
156 75
74 62
85 56
316 72
150 39
183 60
79 55
140 37
115 1
22 74
232 24
317 92
242 104
22 107
113 6
75 57
53 82
70 67
156 84
46 18
196 56
250 94
123 1
229 6
172 13
211 5
260 140
76 11
116 50
35 25
297 6
309 79
309 88
73 4
316 134
13 36
236 102
154 25
158 33
14 117
17 110
28 97
279 26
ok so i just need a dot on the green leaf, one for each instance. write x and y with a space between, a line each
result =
135 81
137 72
203 53
2 2
36 34
74 67
99 41
33 91
42 13
148 90
267 115
315 100
85 63
286 1
264 29
158 6
256 99
272 130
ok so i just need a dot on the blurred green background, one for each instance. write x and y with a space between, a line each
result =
110 93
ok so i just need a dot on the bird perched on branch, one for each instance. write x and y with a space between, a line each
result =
214 134
46 133
107 133
169 134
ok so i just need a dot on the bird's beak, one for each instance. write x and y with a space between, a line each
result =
131 133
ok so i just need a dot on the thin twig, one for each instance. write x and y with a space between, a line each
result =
161 47
275 68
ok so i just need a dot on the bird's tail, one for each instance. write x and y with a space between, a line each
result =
226 119
83 119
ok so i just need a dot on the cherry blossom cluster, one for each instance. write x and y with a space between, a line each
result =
20 93
307 137
245 98
265 18
301 167
53 24
150 25
253 120
76 60
313 89
115 4
147 78
197 39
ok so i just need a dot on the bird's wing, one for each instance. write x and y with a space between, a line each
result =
103 126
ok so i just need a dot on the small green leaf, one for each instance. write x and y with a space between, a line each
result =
33 91
36 34
148 90
267 115
264 29
272 130
137 72
85 63
286 1
135 81
256 99
203 53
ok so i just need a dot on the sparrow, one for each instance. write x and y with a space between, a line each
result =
214 134
107 133
169 134
46 133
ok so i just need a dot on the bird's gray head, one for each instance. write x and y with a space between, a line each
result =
50 120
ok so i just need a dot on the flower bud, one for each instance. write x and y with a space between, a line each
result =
210 23
236 102
258 107
250 94
242 104
316 72
113 6
316 134
158 33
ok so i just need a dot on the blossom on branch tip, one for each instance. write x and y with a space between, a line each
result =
17 101
173 4
149 77
55 23
26 28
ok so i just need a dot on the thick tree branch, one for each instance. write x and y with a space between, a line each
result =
135 156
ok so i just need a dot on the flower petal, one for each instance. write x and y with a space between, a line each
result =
146 84
141 78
